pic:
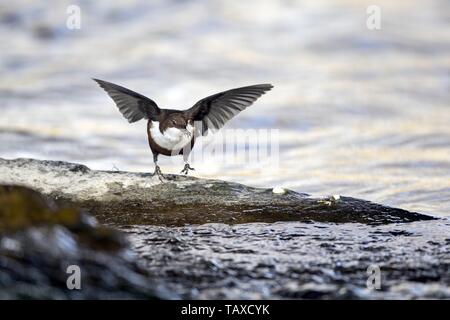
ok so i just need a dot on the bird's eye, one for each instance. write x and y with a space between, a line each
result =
174 122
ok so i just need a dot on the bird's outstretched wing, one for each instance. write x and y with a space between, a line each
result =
132 105
214 111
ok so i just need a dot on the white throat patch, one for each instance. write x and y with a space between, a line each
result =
172 138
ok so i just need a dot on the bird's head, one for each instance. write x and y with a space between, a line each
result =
176 121
179 122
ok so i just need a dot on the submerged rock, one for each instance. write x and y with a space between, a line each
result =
39 241
138 198
233 259
294 260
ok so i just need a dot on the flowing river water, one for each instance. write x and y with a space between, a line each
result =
360 112
357 112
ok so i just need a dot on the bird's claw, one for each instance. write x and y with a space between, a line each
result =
158 173
186 168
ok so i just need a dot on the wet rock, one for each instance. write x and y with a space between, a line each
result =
138 198
295 260
39 241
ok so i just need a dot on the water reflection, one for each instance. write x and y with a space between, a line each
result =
361 113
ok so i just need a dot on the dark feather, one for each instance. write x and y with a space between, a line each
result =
214 111
132 105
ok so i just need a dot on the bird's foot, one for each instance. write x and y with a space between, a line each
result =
186 168
158 173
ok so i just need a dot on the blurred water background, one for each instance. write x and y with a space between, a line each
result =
360 112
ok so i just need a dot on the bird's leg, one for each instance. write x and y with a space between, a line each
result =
187 167
157 168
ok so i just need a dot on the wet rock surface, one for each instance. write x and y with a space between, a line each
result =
39 241
137 198
297 260
202 239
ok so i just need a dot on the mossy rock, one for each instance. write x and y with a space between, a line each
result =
39 240
21 207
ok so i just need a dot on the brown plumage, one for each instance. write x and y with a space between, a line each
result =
173 132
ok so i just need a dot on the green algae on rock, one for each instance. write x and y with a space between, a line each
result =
138 198
21 208
294 260
38 241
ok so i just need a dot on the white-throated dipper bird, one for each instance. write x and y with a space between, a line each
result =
173 132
